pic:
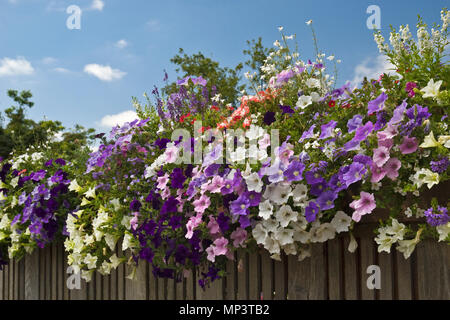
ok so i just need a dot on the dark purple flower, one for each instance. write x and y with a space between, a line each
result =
60 161
146 254
286 109
223 221
181 254
177 178
317 188
135 205
175 222
244 221
269 118
162 143
313 177
169 206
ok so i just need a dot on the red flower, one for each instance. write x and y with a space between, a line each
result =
332 103
215 108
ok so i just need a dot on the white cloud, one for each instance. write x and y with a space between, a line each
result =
61 70
97 5
372 68
104 73
49 60
14 67
112 120
122 43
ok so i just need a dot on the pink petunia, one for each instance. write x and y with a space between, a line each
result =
201 204
365 205
388 133
377 173
392 167
380 156
213 226
409 145
220 246
387 143
239 236
211 255
162 181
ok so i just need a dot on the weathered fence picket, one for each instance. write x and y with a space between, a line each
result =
330 273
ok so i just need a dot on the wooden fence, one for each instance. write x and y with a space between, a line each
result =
330 273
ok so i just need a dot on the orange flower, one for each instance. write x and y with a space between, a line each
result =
22 172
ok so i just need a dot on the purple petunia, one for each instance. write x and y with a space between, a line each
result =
311 211
294 171
269 118
377 104
327 129
326 200
240 206
354 122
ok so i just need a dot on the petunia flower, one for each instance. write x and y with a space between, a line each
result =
380 156
391 167
377 104
363 206
409 145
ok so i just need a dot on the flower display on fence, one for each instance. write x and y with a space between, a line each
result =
297 163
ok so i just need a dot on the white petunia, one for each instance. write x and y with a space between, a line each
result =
299 194
341 222
322 232
272 245
285 215
74 186
265 209
90 193
443 231
281 194
254 182
271 225
284 236
432 89
259 233
290 249
303 101
90 261
313 83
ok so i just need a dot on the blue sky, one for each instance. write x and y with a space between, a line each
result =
88 76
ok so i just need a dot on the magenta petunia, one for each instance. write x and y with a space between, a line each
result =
409 145
380 156
365 205
392 166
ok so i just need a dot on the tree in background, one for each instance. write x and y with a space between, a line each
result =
19 133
